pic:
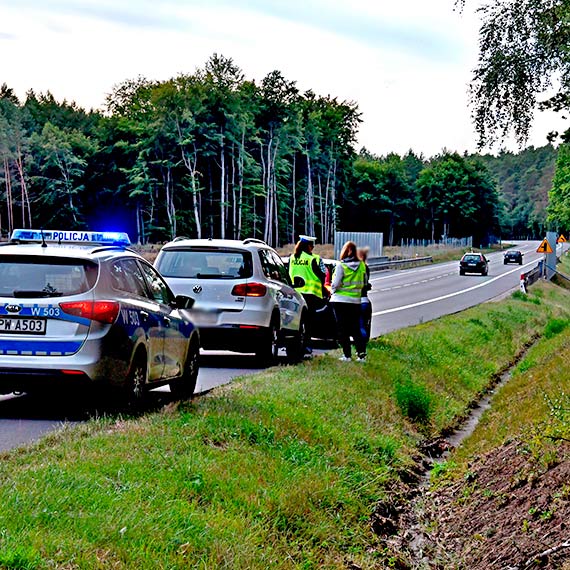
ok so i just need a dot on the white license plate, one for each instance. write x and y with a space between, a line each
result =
22 325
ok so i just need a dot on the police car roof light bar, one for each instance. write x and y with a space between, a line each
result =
76 237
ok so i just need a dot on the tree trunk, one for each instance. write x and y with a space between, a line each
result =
222 187
25 195
309 201
240 182
170 207
8 181
294 204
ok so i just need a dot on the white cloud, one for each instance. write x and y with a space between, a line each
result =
405 63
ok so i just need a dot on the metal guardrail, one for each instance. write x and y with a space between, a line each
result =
380 263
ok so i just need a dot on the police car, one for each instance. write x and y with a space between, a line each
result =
80 308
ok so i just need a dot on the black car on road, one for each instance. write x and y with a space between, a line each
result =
513 256
474 263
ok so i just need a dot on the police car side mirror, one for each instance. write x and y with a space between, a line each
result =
184 302
298 282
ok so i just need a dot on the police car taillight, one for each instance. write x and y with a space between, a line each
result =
249 290
100 311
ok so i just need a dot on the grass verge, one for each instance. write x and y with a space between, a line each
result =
279 470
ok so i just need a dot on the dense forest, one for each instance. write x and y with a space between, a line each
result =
212 154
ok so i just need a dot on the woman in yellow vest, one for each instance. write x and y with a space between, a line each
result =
306 265
349 281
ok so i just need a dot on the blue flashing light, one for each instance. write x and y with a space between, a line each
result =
81 237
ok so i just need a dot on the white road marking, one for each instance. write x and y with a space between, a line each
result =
448 296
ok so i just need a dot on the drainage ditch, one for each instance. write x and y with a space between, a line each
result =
403 520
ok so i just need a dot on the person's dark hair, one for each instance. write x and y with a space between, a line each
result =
348 250
302 246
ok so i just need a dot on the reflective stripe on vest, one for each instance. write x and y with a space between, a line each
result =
302 267
353 281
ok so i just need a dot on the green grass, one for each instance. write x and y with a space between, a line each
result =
280 470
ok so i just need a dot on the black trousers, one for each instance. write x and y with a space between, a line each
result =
348 325
313 303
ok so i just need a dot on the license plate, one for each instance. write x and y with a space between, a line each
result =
204 318
22 325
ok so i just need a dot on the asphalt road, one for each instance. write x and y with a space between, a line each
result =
399 299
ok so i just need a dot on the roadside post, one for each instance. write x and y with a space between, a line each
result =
523 283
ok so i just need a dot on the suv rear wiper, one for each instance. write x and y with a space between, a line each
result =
35 293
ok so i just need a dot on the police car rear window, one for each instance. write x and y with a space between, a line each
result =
37 277
205 264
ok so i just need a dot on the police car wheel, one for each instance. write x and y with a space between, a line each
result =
135 389
184 386
268 347
296 346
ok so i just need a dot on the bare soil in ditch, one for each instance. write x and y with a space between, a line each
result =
510 512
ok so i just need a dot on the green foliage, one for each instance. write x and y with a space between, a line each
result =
19 558
555 326
414 400
459 198
214 154
524 180
557 425
559 195
522 53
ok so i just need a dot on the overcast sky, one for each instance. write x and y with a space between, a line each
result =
406 63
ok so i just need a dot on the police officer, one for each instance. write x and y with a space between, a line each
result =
303 263
349 281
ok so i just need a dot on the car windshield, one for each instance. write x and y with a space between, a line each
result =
471 258
205 264
27 276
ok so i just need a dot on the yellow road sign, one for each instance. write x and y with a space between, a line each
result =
561 239
544 247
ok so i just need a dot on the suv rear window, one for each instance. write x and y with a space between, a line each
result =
28 276
205 264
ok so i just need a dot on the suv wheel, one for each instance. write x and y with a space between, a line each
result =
183 387
268 347
296 346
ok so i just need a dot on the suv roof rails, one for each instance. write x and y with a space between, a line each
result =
254 240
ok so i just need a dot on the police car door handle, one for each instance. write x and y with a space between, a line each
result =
144 315
167 321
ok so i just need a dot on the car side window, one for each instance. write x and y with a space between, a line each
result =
158 288
270 270
280 266
126 276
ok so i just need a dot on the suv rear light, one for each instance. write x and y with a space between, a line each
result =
100 311
249 290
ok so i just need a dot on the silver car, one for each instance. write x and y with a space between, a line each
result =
80 308
244 298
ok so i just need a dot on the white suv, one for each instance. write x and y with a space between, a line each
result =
244 298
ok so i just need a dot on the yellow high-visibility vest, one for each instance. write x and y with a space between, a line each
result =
353 281
302 267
